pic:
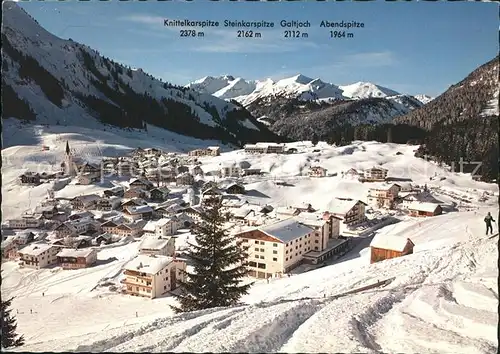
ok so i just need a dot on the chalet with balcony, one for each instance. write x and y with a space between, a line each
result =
38 255
132 202
108 203
87 178
374 174
383 195
117 191
317 171
152 276
351 211
77 258
144 212
159 194
136 193
141 183
85 202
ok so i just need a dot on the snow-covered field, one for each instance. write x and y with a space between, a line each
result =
443 298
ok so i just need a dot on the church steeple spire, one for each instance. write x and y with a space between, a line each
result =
68 151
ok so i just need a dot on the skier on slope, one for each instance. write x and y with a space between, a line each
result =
488 220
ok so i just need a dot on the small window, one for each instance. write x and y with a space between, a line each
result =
256 249
261 257
286 259
316 241
275 245
262 250
256 256
256 242
262 243
275 259
275 252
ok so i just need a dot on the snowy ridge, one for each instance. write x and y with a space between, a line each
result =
424 98
27 37
366 90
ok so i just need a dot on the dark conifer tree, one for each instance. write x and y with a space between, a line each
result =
9 326
220 264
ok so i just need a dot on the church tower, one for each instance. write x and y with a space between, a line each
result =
69 166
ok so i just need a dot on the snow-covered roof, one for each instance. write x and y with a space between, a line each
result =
382 186
341 206
69 252
153 243
286 230
389 242
241 212
87 198
148 264
311 219
422 206
163 221
35 249
139 209
150 226
285 210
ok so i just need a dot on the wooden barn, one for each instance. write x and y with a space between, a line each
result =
424 209
385 247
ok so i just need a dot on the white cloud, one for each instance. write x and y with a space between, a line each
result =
370 59
227 41
145 19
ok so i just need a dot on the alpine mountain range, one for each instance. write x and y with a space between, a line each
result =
53 81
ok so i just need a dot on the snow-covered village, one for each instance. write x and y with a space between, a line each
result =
232 215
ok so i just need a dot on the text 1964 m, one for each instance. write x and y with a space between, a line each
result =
341 34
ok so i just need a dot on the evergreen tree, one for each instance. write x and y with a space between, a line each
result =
9 325
220 263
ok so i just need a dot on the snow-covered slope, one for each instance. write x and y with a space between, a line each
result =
54 81
424 98
235 88
366 90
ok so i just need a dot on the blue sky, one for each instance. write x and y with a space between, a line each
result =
412 47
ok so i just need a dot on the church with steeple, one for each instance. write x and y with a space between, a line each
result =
68 165
73 166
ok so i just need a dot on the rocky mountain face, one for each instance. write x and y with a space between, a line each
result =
301 120
48 80
462 123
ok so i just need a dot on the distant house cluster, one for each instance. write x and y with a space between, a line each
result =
265 148
209 151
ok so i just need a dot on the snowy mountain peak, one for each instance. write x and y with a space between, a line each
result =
366 90
293 81
424 98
